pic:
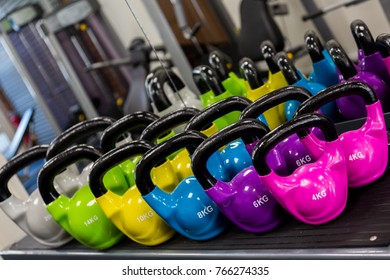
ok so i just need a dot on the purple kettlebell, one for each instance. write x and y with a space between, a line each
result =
371 60
383 44
352 107
244 200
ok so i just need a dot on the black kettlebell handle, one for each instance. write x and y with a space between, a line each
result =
157 94
250 128
272 99
206 79
341 59
337 91
288 69
112 159
363 38
58 164
167 122
382 42
17 163
219 62
124 125
167 75
219 109
296 125
313 46
76 133
249 72
268 51
189 140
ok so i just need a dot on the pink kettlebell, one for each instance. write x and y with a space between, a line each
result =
315 193
365 148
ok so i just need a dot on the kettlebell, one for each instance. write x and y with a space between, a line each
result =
78 133
168 125
324 70
222 66
382 42
134 124
80 215
290 152
294 77
158 100
128 212
352 107
371 59
30 214
187 209
212 91
276 79
233 157
366 146
160 131
216 111
315 193
176 90
257 89
244 200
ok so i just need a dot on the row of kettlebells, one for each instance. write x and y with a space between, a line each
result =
223 180
199 181
331 65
